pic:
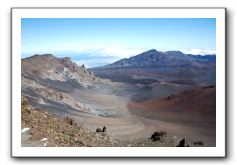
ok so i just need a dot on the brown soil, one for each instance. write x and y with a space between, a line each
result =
192 113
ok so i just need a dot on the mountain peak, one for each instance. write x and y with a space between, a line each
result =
43 55
47 55
151 51
174 52
154 58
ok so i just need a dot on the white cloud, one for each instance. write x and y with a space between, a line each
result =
90 63
113 52
105 56
198 51
122 52
128 52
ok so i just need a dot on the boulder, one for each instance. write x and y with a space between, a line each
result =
156 136
98 130
198 143
104 129
182 143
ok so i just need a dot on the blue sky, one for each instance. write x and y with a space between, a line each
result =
85 39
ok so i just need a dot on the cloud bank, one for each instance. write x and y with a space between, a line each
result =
198 51
100 57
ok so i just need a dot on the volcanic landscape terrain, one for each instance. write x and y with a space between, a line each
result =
154 91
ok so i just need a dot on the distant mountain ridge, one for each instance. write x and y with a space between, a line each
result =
157 58
171 66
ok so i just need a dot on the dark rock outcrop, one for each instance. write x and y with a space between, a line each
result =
183 143
157 135
104 129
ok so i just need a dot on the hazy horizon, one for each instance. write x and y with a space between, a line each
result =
100 41
91 59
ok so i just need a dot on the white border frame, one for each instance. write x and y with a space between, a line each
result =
218 151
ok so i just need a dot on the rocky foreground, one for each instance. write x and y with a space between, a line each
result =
42 129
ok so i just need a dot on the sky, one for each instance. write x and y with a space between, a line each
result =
100 41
